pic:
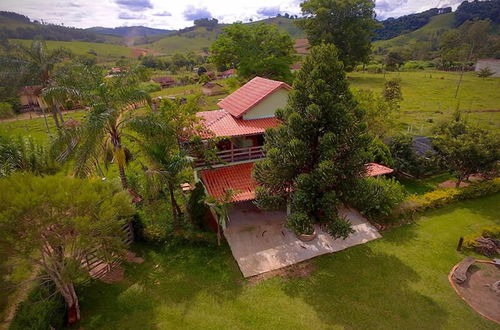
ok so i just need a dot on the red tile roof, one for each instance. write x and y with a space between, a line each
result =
374 169
221 123
239 179
235 177
247 96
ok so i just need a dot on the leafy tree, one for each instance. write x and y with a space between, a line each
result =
255 50
393 60
485 72
467 149
111 102
379 113
392 92
318 152
53 222
349 25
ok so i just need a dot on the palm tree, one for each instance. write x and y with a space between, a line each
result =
158 139
34 65
111 101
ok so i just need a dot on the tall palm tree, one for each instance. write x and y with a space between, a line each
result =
158 138
111 101
34 65
220 206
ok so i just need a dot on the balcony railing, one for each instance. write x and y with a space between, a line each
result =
235 155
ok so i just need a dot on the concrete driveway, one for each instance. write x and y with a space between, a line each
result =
260 243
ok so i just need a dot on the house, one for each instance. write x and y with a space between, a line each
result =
212 88
30 98
164 81
296 67
258 239
491 63
226 74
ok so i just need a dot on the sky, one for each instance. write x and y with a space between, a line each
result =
176 14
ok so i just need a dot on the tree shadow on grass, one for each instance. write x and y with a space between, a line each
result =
168 277
359 289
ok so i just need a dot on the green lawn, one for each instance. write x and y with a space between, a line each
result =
428 97
35 127
399 281
105 52
422 186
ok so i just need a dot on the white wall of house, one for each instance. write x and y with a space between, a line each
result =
268 106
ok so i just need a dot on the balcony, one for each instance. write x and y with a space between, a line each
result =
234 155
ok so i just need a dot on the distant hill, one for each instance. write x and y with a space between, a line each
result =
129 31
199 38
16 26
393 27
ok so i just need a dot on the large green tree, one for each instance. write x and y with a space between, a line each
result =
255 50
467 149
348 24
112 101
318 153
54 221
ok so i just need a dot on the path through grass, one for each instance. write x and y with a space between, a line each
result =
399 281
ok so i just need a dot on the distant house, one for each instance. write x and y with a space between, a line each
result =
492 64
212 88
30 98
164 81
227 74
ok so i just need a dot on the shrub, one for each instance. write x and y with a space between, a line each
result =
374 68
6 110
41 310
440 197
197 209
339 228
299 223
485 72
154 222
376 197
150 87
488 232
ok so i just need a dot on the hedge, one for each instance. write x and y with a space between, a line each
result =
439 198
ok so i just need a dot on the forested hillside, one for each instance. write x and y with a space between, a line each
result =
16 26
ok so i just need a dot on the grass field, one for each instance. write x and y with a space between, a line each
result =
399 281
105 52
35 127
428 97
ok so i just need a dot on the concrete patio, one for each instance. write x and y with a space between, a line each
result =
260 243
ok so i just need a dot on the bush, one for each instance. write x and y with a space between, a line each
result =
6 110
154 222
488 232
150 87
417 65
374 68
440 197
197 209
41 310
376 197
339 228
299 223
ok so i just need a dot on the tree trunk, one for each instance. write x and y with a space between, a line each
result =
459 181
72 303
61 117
174 209
123 177
218 232
54 115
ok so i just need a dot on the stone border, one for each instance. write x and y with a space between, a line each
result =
453 285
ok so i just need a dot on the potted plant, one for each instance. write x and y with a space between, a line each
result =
300 224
